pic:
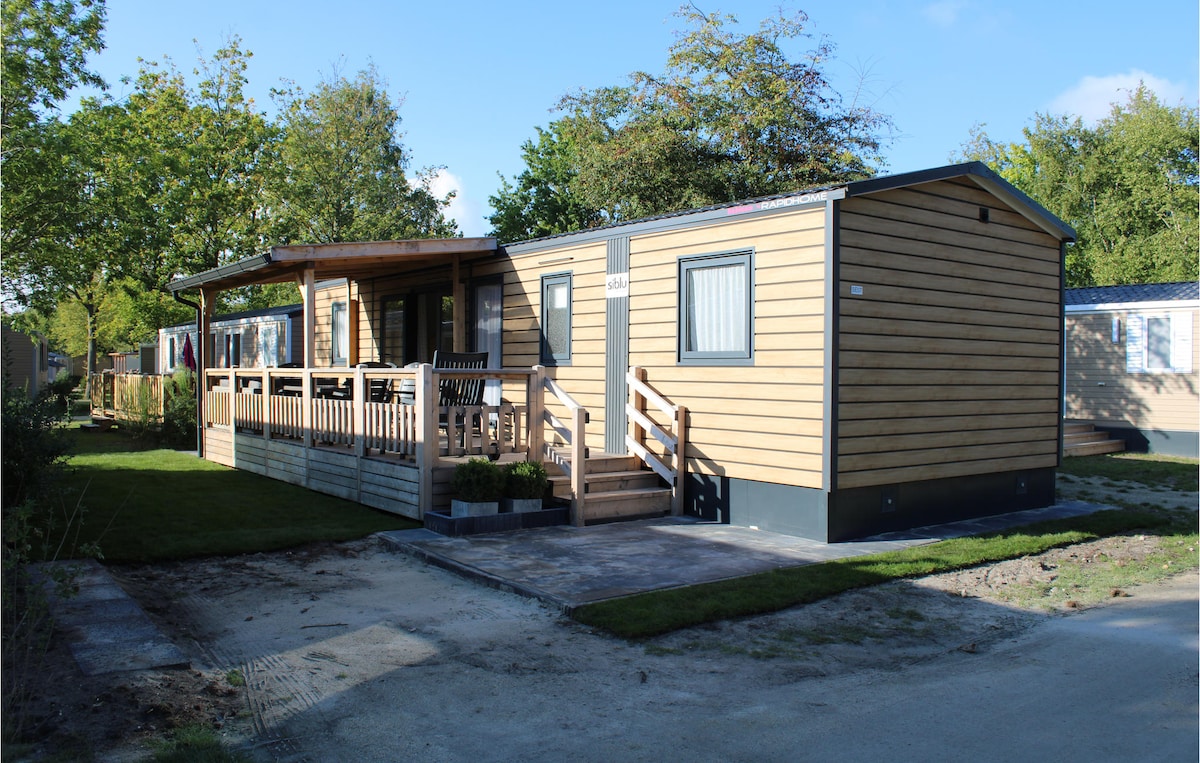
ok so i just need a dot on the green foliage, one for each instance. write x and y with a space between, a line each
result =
734 115
62 389
525 480
46 44
342 171
478 480
179 410
1130 186
33 448
195 743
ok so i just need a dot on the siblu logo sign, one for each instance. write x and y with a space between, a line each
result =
790 201
617 285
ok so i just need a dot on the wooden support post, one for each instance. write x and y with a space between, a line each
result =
265 394
359 425
677 490
308 292
306 412
232 379
427 437
460 309
578 465
535 414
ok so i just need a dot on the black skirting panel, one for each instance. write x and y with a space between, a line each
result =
862 512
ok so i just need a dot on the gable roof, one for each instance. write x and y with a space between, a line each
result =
1113 297
977 172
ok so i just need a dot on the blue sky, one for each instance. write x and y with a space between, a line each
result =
476 77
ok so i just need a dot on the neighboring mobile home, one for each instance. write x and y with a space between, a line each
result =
1133 365
853 359
250 339
26 360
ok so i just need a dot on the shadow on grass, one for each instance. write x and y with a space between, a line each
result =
658 612
153 505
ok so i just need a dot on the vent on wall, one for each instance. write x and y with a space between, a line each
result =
984 214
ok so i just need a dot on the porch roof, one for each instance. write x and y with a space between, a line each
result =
353 260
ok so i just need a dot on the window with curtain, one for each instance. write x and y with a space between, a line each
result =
1159 344
341 333
715 308
556 319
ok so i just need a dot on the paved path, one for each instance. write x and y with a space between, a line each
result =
567 567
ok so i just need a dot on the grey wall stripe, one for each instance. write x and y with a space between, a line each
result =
616 352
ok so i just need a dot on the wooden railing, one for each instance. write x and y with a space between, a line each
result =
127 397
668 458
385 411
573 435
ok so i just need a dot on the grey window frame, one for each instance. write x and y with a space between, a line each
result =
744 257
546 357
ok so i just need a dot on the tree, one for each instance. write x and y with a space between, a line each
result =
733 116
541 202
46 44
342 167
1130 186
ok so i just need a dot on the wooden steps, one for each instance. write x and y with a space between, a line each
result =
616 489
1080 439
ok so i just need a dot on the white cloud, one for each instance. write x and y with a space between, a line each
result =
1092 97
944 12
463 209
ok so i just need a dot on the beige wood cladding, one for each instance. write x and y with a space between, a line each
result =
583 378
758 422
948 357
1100 390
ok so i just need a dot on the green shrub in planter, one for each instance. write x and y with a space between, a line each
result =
525 480
478 481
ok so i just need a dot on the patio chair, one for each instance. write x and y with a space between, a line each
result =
456 391
452 391
289 386
378 390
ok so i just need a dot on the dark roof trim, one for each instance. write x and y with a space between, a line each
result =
984 176
762 205
264 312
978 171
244 265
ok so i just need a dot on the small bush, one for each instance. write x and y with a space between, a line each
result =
478 480
525 480
179 410
63 388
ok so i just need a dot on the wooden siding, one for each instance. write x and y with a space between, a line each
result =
948 359
758 422
583 378
1101 391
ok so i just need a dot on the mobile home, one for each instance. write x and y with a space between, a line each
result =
1133 366
848 360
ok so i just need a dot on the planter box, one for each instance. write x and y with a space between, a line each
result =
520 505
473 509
445 524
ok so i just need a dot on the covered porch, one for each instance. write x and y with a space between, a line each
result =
368 416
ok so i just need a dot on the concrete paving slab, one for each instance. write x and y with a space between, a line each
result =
568 567
107 631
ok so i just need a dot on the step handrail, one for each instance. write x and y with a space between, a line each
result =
672 437
574 434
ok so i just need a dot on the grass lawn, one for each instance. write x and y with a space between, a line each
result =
143 504
1154 471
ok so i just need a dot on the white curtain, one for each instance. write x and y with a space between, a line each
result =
716 305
